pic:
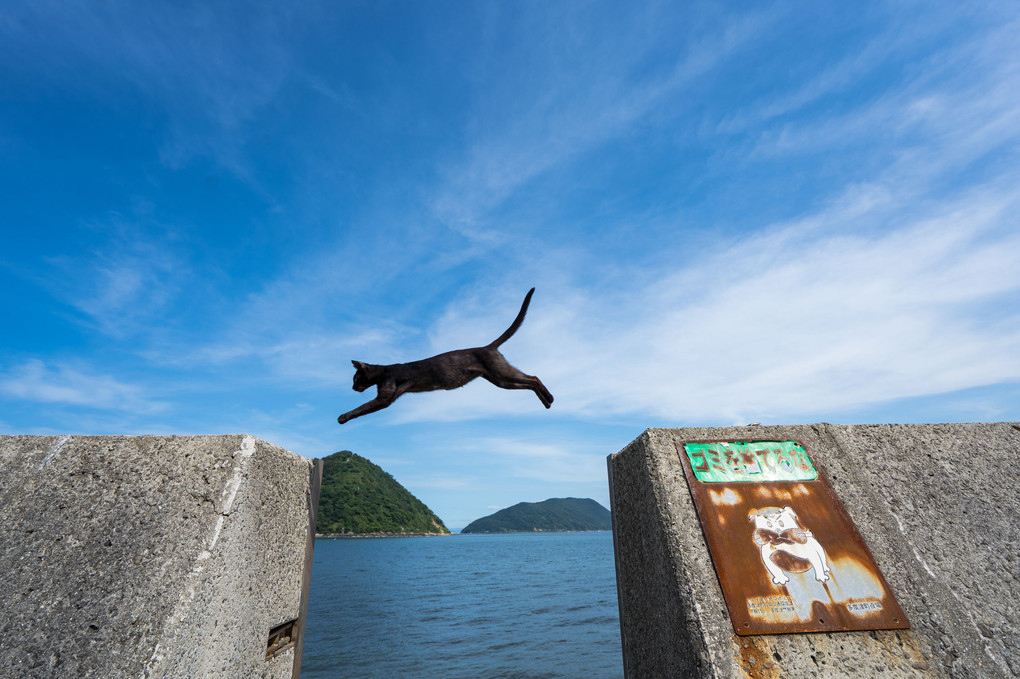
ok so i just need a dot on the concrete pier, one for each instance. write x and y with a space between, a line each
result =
153 556
938 506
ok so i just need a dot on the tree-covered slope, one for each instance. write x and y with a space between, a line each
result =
556 514
359 497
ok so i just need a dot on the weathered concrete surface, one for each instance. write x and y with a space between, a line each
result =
937 505
149 556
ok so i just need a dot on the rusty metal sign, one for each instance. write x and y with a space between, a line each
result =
788 556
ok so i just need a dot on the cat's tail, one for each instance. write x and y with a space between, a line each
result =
517 321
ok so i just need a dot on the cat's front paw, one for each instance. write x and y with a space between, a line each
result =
781 580
822 578
343 418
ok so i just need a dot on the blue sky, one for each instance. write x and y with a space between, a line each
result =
732 212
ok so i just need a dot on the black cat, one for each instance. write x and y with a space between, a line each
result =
445 371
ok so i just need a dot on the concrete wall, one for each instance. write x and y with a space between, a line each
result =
149 556
936 504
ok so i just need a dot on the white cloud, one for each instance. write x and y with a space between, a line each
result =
903 284
34 380
801 319
958 104
560 115
212 67
877 295
440 482
544 461
127 282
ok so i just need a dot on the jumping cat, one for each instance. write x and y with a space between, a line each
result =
445 371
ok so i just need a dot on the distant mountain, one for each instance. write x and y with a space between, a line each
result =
556 514
359 497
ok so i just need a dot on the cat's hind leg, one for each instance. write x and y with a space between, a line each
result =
499 372
816 555
823 559
522 381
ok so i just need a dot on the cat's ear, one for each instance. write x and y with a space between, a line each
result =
358 364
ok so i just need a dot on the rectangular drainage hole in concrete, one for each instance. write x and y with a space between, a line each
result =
281 638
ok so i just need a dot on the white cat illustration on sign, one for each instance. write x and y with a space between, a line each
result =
786 546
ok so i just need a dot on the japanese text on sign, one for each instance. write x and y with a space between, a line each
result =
757 461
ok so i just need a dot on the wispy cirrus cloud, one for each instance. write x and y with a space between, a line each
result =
559 116
545 461
128 280
955 104
807 318
65 383
901 283
213 68
888 274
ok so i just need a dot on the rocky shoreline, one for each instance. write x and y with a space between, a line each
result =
380 535
327 536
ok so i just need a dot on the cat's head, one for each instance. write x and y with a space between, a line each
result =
365 375
774 519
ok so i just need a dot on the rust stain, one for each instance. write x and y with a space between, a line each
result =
756 660
726 497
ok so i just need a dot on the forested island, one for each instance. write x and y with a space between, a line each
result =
359 498
555 514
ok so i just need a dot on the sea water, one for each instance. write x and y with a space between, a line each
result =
520 606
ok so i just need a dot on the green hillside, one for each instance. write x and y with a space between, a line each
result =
359 497
556 514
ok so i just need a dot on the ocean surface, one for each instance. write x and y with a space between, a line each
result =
517 606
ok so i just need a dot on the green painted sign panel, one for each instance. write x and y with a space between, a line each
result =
754 461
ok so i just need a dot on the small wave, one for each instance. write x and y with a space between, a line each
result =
479 611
